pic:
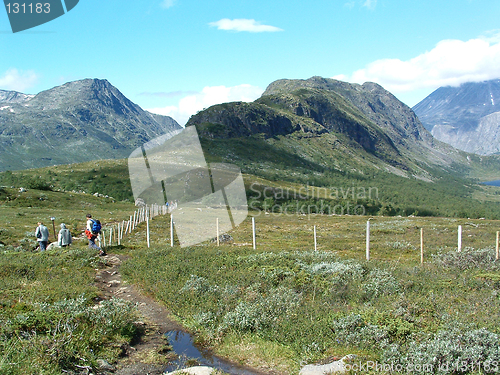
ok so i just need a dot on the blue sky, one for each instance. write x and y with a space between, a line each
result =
178 56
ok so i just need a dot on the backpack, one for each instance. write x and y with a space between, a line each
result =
96 227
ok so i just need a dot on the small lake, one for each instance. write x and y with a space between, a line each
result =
183 346
492 183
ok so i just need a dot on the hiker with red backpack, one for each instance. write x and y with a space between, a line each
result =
92 231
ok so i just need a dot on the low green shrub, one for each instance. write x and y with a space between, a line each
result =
454 350
58 337
468 258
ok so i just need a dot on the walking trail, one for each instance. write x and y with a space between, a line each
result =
149 355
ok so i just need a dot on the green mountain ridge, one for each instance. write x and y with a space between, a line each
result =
353 127
76 122
301 134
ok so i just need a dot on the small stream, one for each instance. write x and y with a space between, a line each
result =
183 346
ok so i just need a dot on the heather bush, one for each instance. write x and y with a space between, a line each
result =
63 335
380 282
453 350
468 258
344 271
354 330
197 285
263 311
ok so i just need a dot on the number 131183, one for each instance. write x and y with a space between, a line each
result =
28 7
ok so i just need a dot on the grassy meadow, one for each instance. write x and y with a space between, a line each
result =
277 307
284 305
52 318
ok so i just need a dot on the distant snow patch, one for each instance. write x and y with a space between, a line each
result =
6 107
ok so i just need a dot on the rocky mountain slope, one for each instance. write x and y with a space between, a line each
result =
467 117
332 124
76 122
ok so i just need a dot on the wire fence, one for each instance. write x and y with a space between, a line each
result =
114 234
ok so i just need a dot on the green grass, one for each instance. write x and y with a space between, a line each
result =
51 320
280 306
284 305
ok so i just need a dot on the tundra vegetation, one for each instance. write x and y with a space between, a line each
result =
280 306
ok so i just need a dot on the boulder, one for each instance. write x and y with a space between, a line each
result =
223 238
105 366
197 370
53 245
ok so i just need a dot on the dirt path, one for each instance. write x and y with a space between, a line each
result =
144 357
148 356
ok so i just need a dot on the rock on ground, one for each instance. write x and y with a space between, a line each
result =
197 370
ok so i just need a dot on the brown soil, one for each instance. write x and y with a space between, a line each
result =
146 357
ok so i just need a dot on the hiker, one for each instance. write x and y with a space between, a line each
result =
42 236
92 230
64 238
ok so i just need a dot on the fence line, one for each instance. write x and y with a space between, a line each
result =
148 213
114 233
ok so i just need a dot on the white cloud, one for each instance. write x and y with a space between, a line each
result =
16 80
491 36
341 77
243 25
209 96
350 4
449 63
370 4
167 3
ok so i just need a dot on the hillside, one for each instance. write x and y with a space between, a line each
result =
329 124
467 117
76 122
334 140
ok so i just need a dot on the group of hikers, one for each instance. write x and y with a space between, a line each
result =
64 239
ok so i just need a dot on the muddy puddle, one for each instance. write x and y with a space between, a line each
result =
187 351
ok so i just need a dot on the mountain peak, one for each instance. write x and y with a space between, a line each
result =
464 116
78 121
13 97
365 117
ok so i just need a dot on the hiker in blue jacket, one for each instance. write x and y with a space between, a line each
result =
92 232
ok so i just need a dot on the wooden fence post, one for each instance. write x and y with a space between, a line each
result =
315 241
217 223
459 238
147 230
172 230
421 245
368 240
118 235
253 232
